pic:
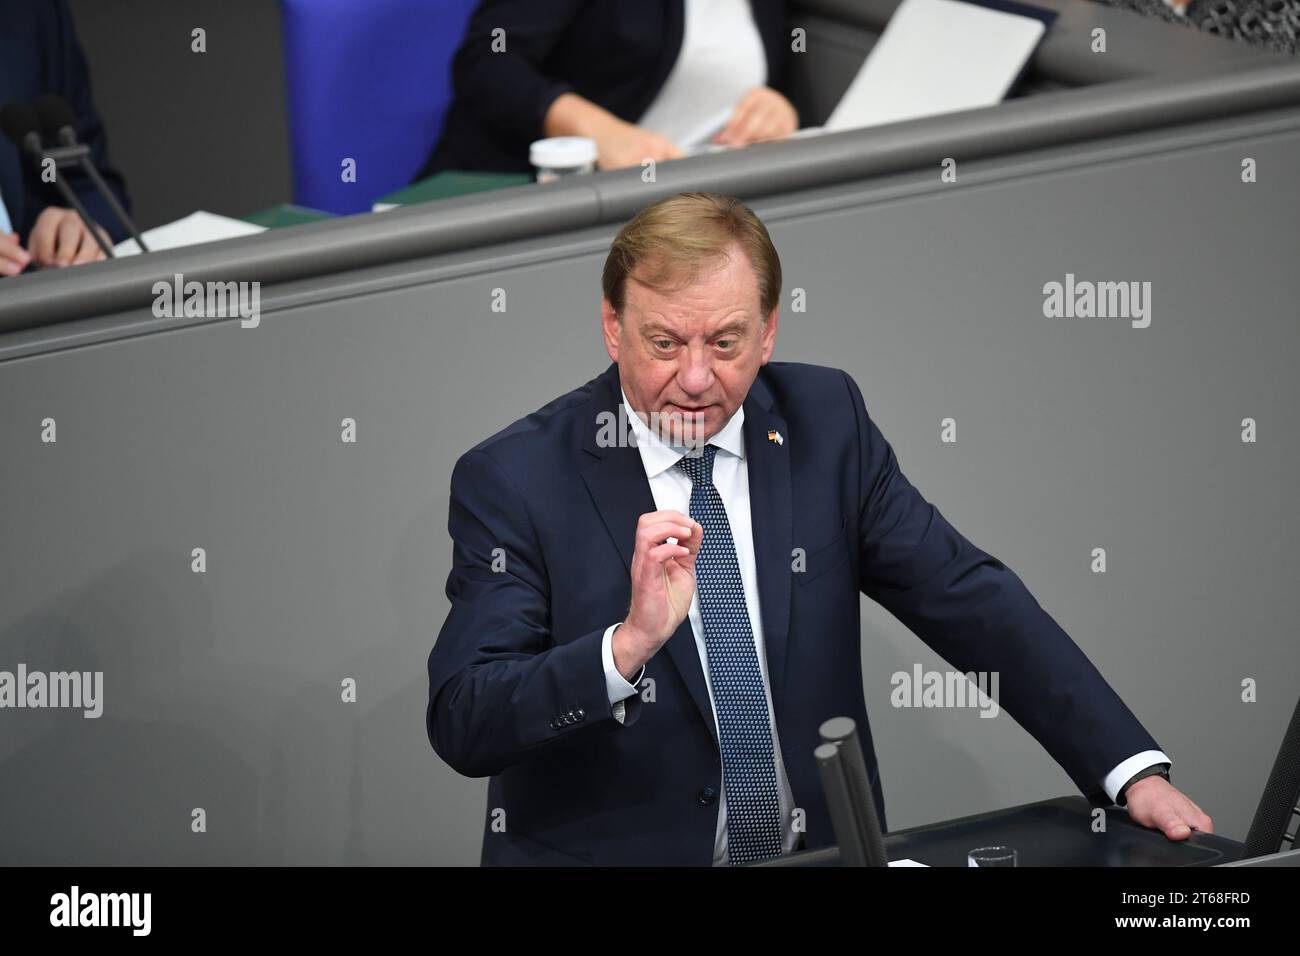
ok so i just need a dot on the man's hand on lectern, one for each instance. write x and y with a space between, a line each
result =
1155 802
663 582
60 238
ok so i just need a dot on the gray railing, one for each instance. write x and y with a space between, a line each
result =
521 212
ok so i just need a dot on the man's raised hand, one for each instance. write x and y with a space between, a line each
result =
663 583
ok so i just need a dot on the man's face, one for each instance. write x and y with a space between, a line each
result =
686 358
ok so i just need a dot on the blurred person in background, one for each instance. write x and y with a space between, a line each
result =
39 54
645 79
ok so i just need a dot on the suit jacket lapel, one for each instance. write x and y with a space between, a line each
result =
771 521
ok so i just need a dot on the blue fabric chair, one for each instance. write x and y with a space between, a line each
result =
368 80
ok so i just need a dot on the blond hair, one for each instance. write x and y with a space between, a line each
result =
673 240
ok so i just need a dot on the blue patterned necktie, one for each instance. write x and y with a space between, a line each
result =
739 700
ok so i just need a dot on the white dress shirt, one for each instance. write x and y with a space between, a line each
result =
721 57
671 489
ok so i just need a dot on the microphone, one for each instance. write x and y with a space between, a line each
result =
22 127
59 124
58 121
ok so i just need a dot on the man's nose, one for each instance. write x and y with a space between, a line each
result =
695 372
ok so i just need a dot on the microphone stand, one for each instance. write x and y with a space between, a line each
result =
39 154
83 158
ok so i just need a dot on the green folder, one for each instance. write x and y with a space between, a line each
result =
285 214
453 182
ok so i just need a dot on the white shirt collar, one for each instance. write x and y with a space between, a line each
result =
658 456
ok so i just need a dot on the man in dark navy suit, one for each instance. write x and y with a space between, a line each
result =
656 578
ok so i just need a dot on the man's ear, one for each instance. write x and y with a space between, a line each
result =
610 327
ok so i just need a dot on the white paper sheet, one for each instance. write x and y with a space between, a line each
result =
937 56
195 228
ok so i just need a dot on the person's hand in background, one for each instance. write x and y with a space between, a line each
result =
626 144
60 238
761 114
618 143
13 257
1155 802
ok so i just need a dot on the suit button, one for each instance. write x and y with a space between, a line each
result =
555 723
707 796
581 713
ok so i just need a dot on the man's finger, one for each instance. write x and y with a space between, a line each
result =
1202 819
696 539
88 250
666 552
12 254
662 515
662 531
1171 822
13 257
1191 814
67 240
41 241
668 521
692 540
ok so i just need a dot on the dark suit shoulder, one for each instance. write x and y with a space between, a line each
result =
801 391
802 375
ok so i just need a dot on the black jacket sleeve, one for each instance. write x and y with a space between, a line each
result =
498 67
66 75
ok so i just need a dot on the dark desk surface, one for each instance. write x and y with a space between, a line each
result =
1056 832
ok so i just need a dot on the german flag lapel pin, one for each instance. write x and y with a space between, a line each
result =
775 436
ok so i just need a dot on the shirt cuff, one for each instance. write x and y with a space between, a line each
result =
1121 774
616 685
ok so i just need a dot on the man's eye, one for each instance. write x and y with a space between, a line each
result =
664 344
725 343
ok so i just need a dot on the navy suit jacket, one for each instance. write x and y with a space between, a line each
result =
616 53
516 683
39 54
